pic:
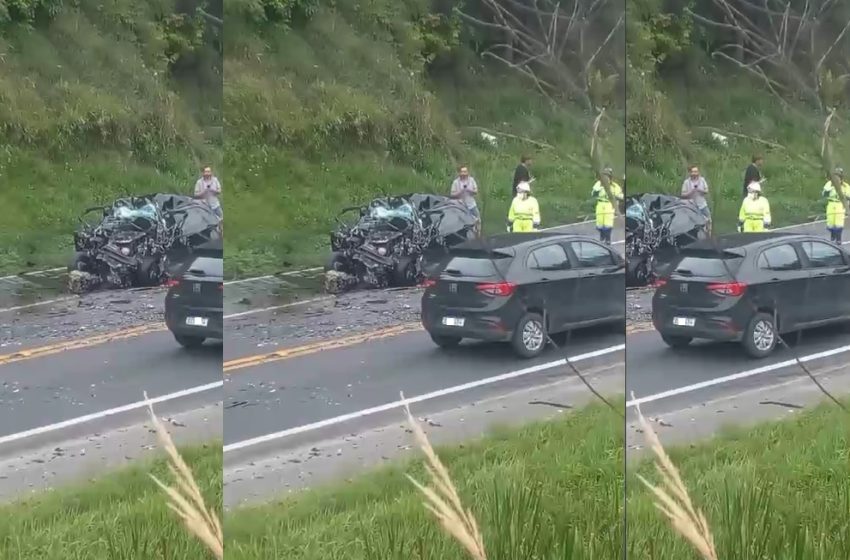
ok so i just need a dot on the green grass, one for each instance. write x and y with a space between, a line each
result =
778 491
120 516
792 166
333 113
90 111
548 490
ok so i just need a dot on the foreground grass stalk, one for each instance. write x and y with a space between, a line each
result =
185 499
672 497
443 500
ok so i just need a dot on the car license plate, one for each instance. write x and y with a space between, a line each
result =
684 321
197 321
453 321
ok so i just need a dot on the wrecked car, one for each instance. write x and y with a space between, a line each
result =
657 225
392 239
135 237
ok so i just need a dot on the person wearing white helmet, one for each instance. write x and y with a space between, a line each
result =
837 193
603 191
754 215
524 213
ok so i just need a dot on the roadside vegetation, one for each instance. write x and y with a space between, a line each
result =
548 490
685 83
119 516
330 104
99 100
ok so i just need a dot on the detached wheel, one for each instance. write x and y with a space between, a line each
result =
444 341
760 337
676 342
149 273
188 341
530 336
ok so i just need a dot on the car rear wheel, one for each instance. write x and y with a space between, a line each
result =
78 262
530 336
760 337
444 341
674 341
335 262
189 341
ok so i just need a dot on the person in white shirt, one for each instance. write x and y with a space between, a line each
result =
695 188
207 188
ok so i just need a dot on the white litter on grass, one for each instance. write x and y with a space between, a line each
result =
489 138
720 139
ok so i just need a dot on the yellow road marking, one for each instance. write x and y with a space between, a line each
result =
636 328
320 346
76 344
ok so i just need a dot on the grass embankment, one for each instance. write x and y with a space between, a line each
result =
339 109
122 515
548 490
789 140
778 491
92 108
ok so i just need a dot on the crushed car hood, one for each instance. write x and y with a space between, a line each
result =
683 216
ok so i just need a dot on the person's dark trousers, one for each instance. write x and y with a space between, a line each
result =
605 236
835 235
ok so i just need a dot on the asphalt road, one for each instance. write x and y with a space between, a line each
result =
664 380
79 366
298 373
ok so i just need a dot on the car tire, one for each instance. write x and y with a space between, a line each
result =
760 336
445 341
335 263
676 342
149 273
78 262
530 336
189 341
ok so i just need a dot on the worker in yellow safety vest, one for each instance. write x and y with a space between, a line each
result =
604 204
755 211
835 209
524 214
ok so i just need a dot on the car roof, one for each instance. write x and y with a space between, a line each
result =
742 240
515 240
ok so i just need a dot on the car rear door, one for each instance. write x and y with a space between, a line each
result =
553 283
783 284
601 281
829 275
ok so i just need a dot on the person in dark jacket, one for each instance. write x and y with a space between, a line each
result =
752 174
521 174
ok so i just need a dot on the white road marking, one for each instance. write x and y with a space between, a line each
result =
110 412
283 306
735 376
37 304
425 397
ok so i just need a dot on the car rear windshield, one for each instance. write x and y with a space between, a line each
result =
708 265
481 265
208 266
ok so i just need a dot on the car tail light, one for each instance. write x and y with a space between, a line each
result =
221 287
497 289
733 289
172 282
659 283
428 283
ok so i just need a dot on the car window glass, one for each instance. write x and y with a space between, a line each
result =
592 255
782 257
550 257
209 266
822 255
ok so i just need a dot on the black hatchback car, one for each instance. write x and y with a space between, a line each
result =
194 302
520 287
751 287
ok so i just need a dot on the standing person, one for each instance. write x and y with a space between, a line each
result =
524 214
754 215
522 173
753 174
604 204
207 188
695 188
835 210
465 189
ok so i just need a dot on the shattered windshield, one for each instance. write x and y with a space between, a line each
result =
383 213
127 214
